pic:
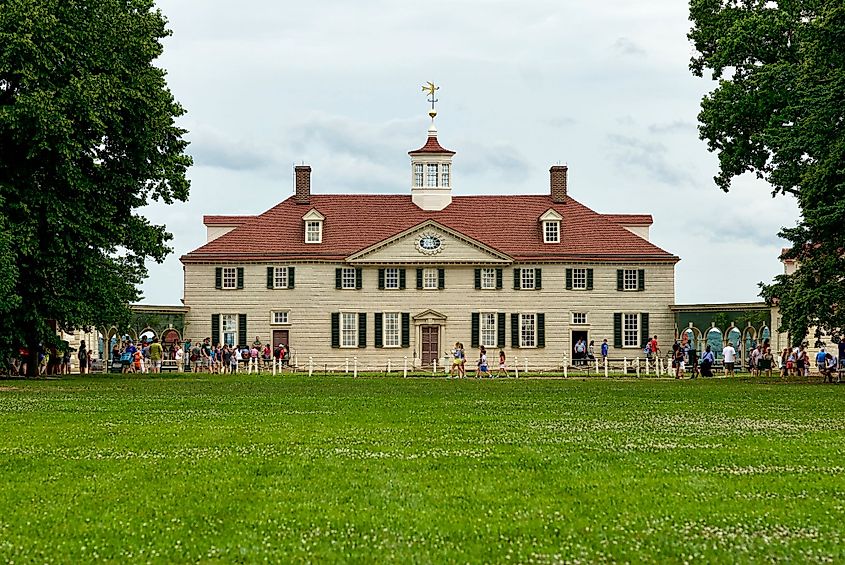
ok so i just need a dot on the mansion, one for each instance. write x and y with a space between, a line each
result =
387 277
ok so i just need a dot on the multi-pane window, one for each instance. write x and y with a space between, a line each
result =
347 277
629 279
418 174
488 278
431 175
630 330
527 279
488 329
429 278
391 329
579 278
579 317
230 277
349 329
527 330
313 232
444 175
229 323
280 317
280 277
552 232
391 278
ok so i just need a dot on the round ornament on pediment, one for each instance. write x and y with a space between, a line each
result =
429 243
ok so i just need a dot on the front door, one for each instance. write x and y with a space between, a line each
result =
579 358
281 336
430 344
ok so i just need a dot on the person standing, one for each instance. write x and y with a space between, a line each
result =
604 351
729 358
483 370
820 360
842 351
178 355
455 369
156 355
707 362
580 351
692 357
503 367
83 358
655 347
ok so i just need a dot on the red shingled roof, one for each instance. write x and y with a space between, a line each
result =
431 146
509 224
225 220
630 219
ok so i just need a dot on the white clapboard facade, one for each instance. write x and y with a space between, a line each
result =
389 277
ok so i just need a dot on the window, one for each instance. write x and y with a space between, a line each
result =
551 232
391 278
418 174
488 329
349 329
431 175
630 329
527 279
429 279
579 278
280 277
579 317
230 329
391 329
444 175
488 278
280 317
347 277
527 330
629 279
230 277
313 231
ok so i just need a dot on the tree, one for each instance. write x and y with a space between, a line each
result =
87 136
779 111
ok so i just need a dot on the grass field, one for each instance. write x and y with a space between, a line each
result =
184 468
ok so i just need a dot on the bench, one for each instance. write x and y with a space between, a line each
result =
169 365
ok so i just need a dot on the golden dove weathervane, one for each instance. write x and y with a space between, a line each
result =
430 89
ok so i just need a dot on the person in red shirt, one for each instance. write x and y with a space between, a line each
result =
655 349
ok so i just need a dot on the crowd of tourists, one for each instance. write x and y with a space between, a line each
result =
54 360
482 367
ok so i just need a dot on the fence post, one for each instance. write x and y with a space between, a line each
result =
646 365
273 362
526 365
638 366
388 365
516 366
310 366
605 367
597 366
565 366
296 360
434 367
347 365
405 370
625 366
355 367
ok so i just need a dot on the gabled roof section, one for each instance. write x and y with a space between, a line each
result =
355 222
630 219
313 215
551 215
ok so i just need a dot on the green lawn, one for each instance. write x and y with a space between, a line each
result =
244 468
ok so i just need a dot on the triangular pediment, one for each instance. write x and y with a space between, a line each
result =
551 215
429 243
430 316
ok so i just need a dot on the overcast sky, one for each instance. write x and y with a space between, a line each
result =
601 86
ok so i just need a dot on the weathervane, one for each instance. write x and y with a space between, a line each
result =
429 88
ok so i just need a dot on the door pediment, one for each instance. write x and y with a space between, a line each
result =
429 243
429 317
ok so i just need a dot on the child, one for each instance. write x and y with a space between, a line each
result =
137 361
502 366
483 371
455 371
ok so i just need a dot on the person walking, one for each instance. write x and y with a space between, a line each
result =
729 359
692 358
483 370
503 368
604 351
707 361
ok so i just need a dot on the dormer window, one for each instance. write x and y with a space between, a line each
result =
550 222
313 226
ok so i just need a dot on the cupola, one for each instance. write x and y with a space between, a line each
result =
431 166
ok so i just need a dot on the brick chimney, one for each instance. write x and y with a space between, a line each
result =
303 184
557 177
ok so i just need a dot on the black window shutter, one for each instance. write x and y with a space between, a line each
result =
516 275
215 328
362 329
270 277
406 329
475 329
377 327
338 278
568 279
617 329
402 280
218 278
644 331
620 279
477 278
291 277
335 329
541 330
419 278
500 330
441 278
641 280
538 279
359 278
498 278
242 329
589 279
381 279
240 277
515 330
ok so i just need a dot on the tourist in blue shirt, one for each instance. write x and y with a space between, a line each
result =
604 349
